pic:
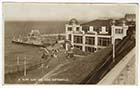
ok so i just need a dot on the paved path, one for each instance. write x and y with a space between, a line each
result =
115 72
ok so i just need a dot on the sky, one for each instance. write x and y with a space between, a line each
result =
63 11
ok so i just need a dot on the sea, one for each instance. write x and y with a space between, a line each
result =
22 28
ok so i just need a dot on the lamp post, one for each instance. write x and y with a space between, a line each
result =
113 39
113 49
17 63
25 68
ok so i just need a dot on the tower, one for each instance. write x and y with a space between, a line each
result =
70 28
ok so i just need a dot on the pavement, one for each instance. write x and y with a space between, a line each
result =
118 69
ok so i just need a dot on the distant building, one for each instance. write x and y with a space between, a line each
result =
94 35
130 17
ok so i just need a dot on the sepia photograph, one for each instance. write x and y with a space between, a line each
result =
69 43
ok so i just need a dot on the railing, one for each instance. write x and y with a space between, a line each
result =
54 34
120 74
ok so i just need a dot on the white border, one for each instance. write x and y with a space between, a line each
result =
68 86
137 47
76 1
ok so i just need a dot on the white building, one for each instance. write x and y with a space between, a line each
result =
93 35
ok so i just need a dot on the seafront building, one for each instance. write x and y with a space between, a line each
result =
97 34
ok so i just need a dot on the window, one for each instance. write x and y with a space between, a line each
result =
104 41
69 37
90 40
77 29
107 30
69 28
85 28
90 49
78 39
118 31
94 29
100 30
